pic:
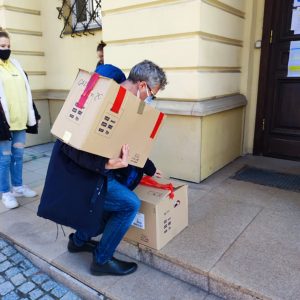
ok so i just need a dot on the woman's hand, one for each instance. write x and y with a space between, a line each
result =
158 173
120 162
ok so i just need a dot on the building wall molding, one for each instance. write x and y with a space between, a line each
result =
21 10
36 73
225 7
30 53
202 69
25 32
201 108
201 34
175 107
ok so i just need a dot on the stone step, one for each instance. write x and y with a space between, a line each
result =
145 284
187 273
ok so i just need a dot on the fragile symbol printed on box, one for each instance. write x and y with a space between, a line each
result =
139 221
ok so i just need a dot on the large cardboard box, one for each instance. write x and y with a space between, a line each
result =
160 218
99 116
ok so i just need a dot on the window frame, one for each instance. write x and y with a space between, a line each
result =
82 26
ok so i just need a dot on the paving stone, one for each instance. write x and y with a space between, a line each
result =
59 291
5 288
46 297
2 257
31 271
26 287
49 285
17 258
2 244
1 279
26 264
5 265
35 294
12 272
18 279
21 280
70 296
40 278
9 251
11 296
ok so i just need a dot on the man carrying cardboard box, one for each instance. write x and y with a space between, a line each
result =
81 190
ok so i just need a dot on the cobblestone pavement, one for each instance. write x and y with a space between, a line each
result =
20 279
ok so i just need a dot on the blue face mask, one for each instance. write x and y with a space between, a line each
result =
150 96
148 100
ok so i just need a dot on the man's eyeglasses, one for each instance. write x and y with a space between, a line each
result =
152 95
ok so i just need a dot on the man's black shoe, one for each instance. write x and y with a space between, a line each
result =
113 267
89 246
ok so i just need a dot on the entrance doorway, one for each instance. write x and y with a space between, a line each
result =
277 128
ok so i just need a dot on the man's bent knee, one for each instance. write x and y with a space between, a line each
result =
6 153
19 145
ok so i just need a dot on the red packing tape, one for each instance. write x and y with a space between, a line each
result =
119 100
149 181
156 126
89 87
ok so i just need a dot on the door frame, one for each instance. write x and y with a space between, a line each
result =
263 78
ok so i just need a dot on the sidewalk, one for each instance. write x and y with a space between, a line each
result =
20 279
242 241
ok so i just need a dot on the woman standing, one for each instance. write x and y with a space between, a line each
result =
16 116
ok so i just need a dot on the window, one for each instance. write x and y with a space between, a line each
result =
80 16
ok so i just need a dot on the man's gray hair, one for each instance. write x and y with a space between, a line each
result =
149 72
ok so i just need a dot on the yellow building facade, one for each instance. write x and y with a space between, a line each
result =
206 47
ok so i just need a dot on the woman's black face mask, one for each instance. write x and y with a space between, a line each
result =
5 54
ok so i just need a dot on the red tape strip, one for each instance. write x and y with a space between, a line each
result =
149 181
119 100
89 87
156 126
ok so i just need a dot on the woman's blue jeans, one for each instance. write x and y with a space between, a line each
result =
11 160
120 208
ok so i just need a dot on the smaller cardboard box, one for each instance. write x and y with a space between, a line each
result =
160 218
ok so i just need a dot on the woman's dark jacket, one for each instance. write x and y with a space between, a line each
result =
74 188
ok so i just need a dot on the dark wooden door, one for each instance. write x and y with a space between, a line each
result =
278 111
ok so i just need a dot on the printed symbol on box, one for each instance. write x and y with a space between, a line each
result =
107 124
78 112
135 158
155 194
167 225
166 212
177 203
